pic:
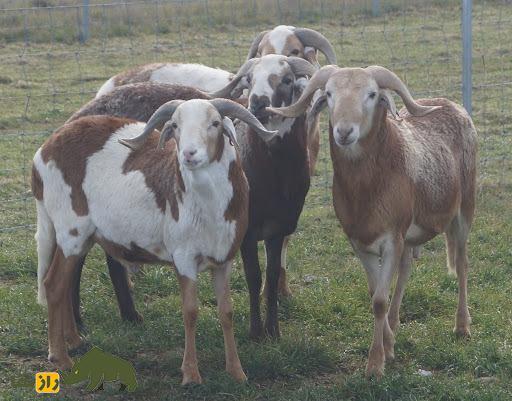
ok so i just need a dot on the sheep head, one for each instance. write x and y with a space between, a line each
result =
198 127
352 96
291 41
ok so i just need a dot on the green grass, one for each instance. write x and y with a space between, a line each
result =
327 325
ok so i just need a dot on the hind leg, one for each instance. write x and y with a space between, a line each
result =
404 272
457 236
58 283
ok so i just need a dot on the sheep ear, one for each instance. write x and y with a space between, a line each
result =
386 100
318 106
166 134
310 55
230 131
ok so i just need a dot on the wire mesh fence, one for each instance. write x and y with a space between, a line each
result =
54 56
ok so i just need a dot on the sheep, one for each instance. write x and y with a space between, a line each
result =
278 174
399 180
184 203
137 101
195 75
299 42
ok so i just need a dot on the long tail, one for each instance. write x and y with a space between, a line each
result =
46 241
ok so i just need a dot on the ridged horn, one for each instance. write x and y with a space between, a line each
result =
253 51
387 79
232 109
312 38
159 117
301 67
244 69
317 81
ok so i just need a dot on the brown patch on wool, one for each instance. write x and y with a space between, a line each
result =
69 150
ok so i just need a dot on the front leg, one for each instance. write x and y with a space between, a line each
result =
379 282
273 247
225 307
189 306
249 251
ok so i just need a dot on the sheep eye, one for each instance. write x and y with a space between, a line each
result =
174 125
328 94
372 95
216 123
248 79
287 81
295 52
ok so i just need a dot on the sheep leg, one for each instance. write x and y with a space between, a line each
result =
273 247
58 282
404 272
120 281
75 294
225 308
71 332
379 281
283 288
249 251
458 235
189 306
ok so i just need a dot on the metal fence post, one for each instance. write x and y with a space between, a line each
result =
376 8
84 33
467 40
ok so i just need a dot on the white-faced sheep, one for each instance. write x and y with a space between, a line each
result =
194 75
278 174
136 101
184 203
398 182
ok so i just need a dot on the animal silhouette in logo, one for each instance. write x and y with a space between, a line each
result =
98 367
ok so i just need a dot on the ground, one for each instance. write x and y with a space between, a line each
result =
327 324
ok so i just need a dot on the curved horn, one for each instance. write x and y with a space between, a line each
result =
161 115
301 67
255 44
315 39
244 69
232 109
387 79
317 81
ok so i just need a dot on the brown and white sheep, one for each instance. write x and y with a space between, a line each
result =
399 180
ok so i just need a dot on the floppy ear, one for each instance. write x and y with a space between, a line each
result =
386 100
229 131
310 55
166 133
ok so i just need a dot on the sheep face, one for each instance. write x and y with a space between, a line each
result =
198 130
270 83
352 97
282 40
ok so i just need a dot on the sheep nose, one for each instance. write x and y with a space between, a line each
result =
258 104
344 132
189 153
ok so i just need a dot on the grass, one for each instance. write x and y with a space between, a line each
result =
327 325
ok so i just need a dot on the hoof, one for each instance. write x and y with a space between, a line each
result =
256 333
390 354
237 374
62 363
272 331
462 332
134 317
375 371
74 342
191 376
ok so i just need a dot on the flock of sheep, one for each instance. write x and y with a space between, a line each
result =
185 164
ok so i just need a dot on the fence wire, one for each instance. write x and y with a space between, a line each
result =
50 66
